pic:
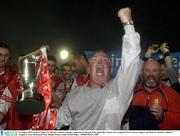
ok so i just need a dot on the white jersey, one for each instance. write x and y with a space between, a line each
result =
5 103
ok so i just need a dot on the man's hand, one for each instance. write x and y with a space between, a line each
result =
157 111
154 48
20 87
45 46
1 118
56 101
68 85
164 48
125 15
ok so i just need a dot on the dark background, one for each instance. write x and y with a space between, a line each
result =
85 24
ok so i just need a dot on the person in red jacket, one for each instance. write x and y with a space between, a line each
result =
154 104
13 119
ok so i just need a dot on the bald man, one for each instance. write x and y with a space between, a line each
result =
154 105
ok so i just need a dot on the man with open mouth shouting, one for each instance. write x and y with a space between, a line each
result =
102 103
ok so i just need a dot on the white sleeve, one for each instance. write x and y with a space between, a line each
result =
63 115
5 101
171 71
130 68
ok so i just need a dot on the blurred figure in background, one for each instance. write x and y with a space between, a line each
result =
55 101
6 72
65 86
56 80
168 72
79 62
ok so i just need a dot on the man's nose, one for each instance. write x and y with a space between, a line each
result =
151 73
100 61
2 57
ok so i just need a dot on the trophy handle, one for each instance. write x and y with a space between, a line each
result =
36 52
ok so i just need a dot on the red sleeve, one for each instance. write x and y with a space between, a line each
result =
10 73
56 80
172 116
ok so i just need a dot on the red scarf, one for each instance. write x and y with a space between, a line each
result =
46 119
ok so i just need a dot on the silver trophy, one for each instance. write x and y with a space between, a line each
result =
30 101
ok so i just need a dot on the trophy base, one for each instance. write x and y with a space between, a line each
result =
29 103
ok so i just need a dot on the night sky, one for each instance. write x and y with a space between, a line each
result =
85 24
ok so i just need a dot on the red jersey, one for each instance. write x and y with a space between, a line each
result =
167 98
5 77
148 99
81 79
56 80
15 121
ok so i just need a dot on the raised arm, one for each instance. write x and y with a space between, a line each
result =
171 71
129 70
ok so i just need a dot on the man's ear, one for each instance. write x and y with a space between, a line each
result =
111 65
81 57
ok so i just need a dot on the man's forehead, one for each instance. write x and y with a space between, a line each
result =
50 62
4 50
67 68
151 63
100 54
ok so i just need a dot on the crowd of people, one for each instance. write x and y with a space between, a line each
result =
144 94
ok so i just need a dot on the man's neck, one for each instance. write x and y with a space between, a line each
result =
94 85
66 80
150 89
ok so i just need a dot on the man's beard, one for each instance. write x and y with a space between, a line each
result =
82 71
151 82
